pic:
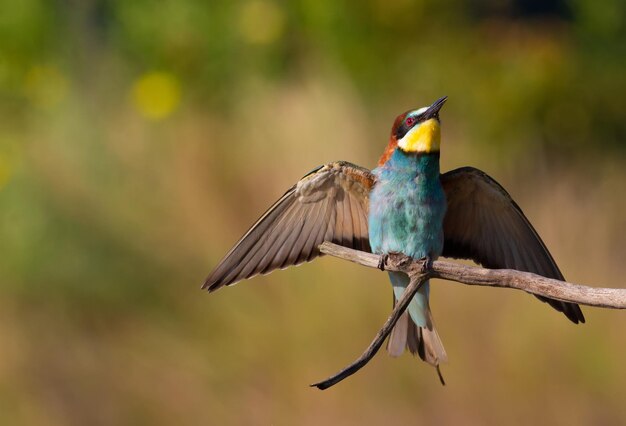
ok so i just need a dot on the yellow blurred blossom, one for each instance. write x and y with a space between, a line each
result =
156 95
45 86
261 22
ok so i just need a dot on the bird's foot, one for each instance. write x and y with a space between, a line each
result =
395 259
427 265
383 261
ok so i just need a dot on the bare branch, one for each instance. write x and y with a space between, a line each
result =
614 298
472 275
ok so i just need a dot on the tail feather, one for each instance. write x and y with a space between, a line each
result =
430 348
422 341
398 337
415 328
413 338
419 303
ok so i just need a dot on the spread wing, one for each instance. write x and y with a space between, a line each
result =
328 204
484 224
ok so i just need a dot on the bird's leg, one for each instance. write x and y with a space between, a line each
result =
427 265
397 259
383 261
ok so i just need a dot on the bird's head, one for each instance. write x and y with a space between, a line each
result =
416 131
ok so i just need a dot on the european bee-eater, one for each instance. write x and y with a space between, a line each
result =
404 206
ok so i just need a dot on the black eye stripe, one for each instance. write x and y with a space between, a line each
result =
417 119
405 127
402 130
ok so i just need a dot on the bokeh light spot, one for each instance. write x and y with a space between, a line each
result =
156 95
261 22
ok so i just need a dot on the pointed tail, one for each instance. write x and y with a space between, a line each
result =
421 340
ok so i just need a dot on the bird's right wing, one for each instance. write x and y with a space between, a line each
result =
329 204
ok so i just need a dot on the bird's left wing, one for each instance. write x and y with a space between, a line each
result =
484 224
328 204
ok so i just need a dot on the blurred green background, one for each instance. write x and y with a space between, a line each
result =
139 139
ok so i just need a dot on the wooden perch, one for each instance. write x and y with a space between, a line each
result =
472 275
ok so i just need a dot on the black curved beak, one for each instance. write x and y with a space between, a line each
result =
433 110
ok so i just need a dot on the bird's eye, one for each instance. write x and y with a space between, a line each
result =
409 121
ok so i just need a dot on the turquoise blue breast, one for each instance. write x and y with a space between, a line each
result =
407 206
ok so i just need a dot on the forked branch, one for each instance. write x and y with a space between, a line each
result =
602 297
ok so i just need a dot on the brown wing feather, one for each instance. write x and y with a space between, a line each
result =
484 224
330 203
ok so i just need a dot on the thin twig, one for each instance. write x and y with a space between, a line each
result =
414 285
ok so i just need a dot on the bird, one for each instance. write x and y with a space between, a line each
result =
405 205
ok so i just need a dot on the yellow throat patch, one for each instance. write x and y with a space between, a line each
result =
423 138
